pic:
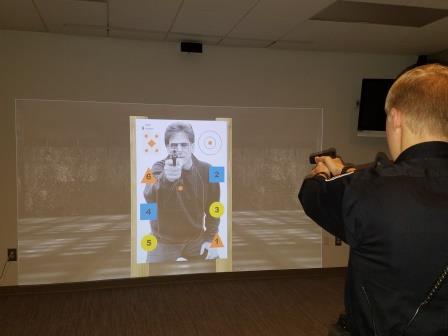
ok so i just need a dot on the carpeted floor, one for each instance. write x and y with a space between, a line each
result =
288 302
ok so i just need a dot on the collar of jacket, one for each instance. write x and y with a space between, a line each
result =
194 159
430 149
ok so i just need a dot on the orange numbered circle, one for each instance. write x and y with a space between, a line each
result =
216 209
149 243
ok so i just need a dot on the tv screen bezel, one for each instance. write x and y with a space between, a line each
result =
370 132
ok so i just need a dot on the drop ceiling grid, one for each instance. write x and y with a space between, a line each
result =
20 15
382 2
71 16
253 43
210 17
135 34
271 19
439 4
250 23
206 39
143 15
323 35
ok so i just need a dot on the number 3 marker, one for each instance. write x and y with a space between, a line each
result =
216 209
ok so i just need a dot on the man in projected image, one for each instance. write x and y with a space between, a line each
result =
184 228
394 215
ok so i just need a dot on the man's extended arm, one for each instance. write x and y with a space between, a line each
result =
322 202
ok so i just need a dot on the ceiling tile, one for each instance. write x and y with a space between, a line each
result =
211 17
441 4
349 11
271 19
175 37
360 37
383 2
147 15
84 30
248 23
70 15
233 42
293 45
135 34
19 15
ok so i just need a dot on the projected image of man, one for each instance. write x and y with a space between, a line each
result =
183 194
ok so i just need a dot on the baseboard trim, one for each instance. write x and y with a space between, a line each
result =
172 279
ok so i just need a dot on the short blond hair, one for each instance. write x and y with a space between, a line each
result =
421 94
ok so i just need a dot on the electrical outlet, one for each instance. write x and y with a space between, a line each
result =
12 254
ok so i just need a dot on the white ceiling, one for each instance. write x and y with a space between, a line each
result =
282 24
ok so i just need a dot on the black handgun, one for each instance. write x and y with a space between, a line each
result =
173 156
327 152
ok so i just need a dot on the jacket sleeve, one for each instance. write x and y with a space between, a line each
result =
322 202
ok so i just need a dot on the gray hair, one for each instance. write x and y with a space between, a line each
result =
178 127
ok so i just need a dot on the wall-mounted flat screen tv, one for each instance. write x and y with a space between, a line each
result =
371 116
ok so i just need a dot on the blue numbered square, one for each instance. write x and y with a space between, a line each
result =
148 211
216 174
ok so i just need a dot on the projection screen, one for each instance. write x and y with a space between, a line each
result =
74 188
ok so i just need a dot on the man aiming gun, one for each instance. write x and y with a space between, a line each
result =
394 215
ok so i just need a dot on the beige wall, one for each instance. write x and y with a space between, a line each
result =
45 66
441 57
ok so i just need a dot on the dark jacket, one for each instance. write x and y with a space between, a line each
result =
395 219
183 205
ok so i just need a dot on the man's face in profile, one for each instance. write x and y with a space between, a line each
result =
181 146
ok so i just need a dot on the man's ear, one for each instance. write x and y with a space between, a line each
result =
396 118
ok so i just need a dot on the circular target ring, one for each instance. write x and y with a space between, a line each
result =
210 143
